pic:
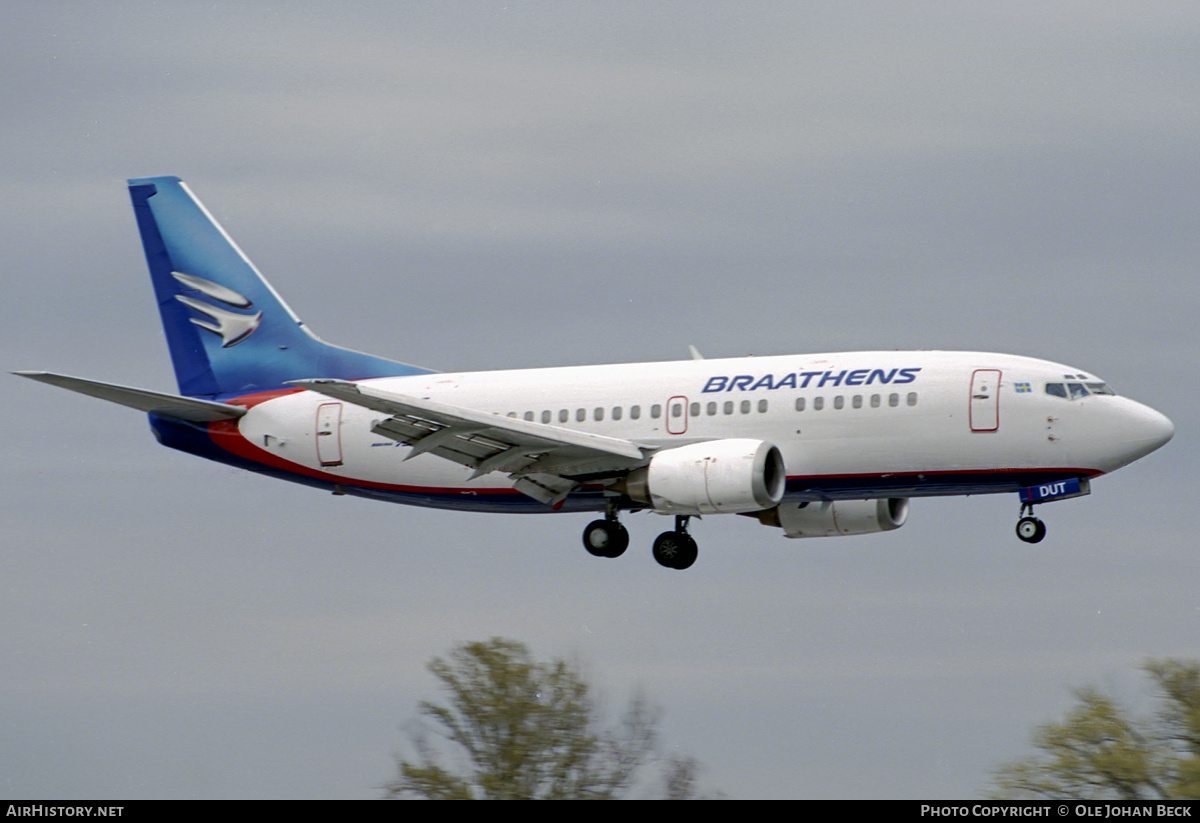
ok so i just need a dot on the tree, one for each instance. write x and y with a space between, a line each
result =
521 729
1100 752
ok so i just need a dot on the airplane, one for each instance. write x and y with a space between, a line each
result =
815 445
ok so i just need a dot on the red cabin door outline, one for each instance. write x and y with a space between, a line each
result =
677 415
985 400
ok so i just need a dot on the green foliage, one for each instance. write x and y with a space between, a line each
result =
1100 752
524 730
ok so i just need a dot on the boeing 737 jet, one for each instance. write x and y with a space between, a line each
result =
814 445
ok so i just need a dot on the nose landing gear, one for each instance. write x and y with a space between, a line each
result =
1029 528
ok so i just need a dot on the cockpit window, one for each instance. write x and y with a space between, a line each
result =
1074 391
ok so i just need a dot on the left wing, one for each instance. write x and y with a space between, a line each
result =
546 462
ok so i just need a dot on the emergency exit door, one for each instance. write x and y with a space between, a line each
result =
985 400
329 434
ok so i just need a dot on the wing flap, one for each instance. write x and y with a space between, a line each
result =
546 488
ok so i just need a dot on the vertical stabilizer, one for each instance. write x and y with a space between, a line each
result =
227 329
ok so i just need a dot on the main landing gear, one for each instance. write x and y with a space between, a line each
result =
676 549
1029 528
608 538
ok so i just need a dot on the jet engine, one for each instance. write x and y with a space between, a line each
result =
830 518
717 476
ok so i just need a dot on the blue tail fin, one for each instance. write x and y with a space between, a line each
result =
227 329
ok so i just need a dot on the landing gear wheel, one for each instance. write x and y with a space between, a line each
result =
675 550
1031 530
605 538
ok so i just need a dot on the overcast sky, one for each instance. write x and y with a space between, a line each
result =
479 185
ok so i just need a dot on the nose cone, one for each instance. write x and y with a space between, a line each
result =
1159 429
1143 431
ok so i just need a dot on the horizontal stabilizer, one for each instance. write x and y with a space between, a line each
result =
163 405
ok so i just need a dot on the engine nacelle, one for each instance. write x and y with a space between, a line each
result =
718 476
830 518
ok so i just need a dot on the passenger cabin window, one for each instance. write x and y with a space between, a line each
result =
656 411
635 412
799 404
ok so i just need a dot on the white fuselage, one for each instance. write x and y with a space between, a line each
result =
853 424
